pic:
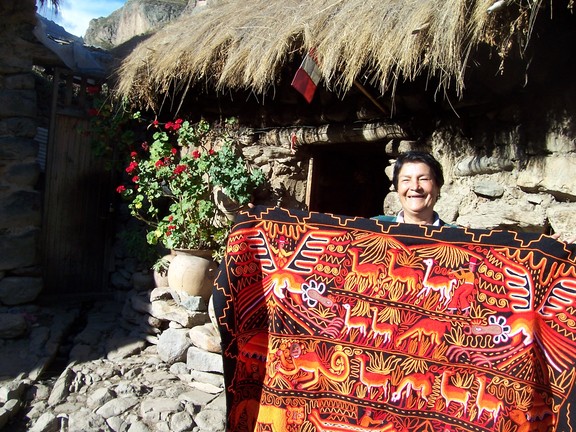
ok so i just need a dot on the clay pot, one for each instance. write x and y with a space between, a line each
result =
161 277
193 272
225 204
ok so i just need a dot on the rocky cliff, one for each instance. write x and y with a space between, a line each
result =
135 18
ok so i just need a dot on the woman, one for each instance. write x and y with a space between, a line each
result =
417 179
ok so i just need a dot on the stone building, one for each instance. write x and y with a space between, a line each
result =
485 87
496 106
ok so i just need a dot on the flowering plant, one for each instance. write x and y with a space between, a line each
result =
173 180
111 125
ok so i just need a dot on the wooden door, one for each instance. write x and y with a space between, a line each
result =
76 218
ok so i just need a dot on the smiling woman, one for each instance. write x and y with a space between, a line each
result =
418 179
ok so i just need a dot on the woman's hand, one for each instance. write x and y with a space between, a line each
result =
569 240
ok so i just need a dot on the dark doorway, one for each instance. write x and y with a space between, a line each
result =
349 179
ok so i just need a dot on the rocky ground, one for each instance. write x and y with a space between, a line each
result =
142 361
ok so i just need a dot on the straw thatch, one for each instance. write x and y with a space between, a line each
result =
244 44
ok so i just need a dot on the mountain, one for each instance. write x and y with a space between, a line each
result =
135 18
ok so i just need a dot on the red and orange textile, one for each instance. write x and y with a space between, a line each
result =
332 323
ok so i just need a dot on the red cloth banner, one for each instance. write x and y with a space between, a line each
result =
307 76
333 323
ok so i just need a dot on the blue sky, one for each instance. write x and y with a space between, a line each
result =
75 15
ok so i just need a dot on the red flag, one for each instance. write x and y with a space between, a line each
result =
307 76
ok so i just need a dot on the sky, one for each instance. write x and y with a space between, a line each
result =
75 15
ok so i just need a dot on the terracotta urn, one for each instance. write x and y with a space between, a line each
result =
193 272
225 204
161 276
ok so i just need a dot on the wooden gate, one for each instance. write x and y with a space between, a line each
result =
76 217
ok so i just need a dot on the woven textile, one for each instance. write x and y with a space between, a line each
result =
348 324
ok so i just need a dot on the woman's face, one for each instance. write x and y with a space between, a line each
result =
418 192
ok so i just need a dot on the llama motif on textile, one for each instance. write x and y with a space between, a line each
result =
334 323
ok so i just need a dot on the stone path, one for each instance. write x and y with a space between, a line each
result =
146 361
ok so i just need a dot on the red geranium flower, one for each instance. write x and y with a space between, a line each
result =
120 189
133 154
180 169
131 167
92 89
135 179
159 163
195 154
174 150
145 146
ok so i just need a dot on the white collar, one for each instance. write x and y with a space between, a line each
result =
400 218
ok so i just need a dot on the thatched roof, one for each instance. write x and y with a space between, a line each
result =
244 44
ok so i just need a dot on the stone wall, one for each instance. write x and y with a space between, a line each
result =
20 203
507 176
285 170
509 167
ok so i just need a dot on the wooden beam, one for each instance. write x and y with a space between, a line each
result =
309 182
332 134
371 98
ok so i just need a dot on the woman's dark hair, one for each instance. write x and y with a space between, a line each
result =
418 156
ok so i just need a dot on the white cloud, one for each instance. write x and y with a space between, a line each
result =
75 15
